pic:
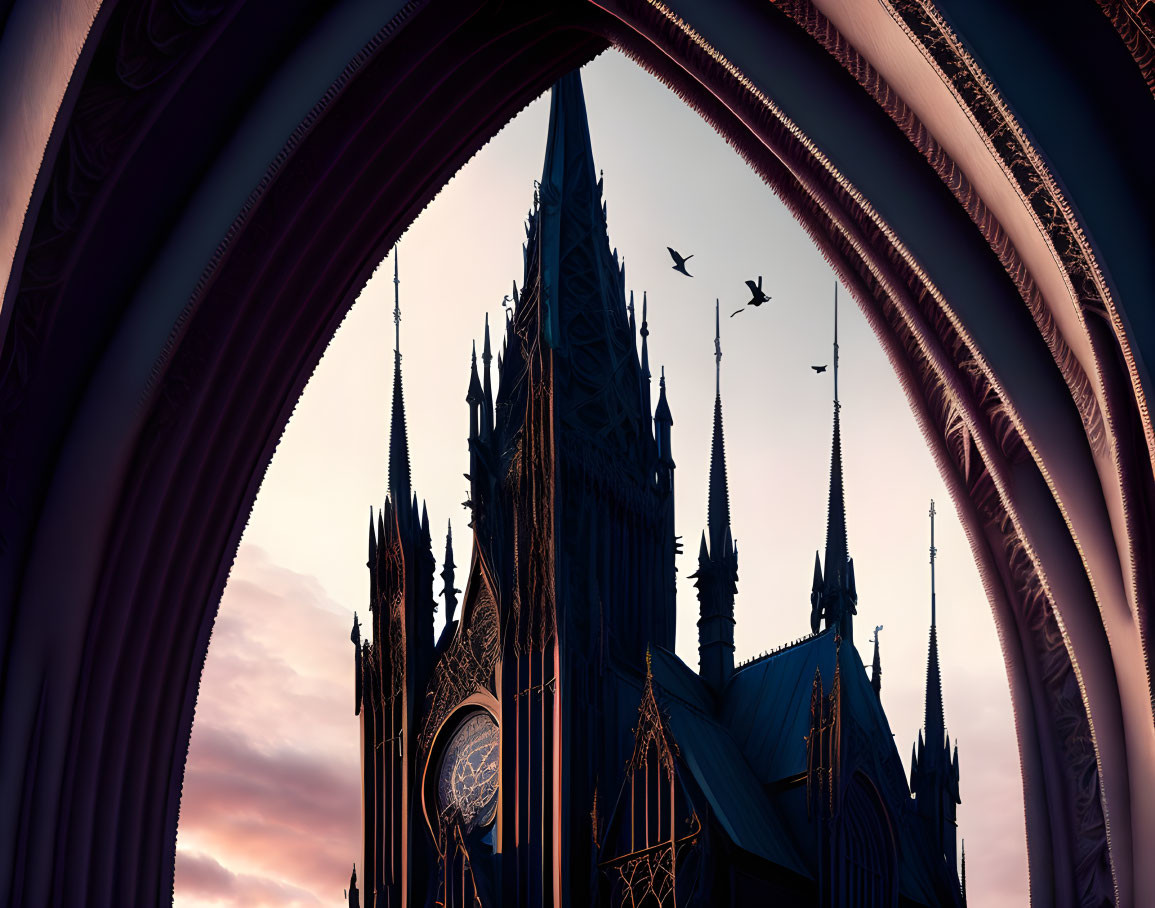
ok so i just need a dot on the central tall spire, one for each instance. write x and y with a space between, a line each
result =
581 312
569 196
399 476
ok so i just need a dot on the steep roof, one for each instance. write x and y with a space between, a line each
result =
766 708
735 795
766 705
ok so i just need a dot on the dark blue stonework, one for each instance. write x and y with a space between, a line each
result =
625 778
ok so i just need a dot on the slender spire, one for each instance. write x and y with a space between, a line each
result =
399 475
717 575
935 775
718 510
838 599
933 723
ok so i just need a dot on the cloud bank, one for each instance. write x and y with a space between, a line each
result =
270 810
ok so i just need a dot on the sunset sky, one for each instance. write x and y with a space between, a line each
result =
270 808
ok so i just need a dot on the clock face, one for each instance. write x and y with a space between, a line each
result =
467 780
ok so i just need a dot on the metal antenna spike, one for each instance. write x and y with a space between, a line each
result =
836 404
396 304
933 552
717 350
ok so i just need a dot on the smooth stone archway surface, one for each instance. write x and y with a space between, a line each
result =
195 190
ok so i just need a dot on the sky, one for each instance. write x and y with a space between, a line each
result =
270 809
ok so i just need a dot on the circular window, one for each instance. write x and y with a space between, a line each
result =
467 779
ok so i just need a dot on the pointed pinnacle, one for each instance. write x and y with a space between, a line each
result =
448 564
662 411
473 395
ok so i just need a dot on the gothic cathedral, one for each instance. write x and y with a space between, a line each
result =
548 748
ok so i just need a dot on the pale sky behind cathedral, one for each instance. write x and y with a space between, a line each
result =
270 810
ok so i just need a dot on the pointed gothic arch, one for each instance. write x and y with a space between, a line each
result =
868 849
183 234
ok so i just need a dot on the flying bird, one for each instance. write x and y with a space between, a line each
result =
757 296
818 368
680 261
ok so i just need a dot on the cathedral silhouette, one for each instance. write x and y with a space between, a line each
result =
549 748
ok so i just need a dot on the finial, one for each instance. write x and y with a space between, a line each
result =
649 665
933 552
396 304
717 350
836 404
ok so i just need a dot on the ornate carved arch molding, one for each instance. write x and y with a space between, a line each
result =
161 513
974 430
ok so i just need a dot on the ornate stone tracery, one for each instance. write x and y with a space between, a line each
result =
466 666
654 823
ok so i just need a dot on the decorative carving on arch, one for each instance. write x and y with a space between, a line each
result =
946 380
468 663
164 510
1134 20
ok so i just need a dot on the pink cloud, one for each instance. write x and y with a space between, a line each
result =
270 810
204 879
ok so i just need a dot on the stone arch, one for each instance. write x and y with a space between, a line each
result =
219 178
867 848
